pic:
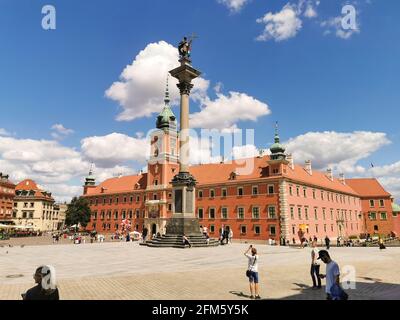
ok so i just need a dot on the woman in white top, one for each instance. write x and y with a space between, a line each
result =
252 272
315 266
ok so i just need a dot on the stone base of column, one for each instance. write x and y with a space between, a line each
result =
181 226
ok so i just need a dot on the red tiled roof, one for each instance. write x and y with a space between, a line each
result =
318 178
215 173
120 184
251 168
369 187
30 185
27 184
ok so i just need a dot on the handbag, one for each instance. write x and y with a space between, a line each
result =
248 272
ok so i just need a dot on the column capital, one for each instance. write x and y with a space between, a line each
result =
185 87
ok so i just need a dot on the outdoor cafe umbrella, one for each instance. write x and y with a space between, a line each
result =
5 226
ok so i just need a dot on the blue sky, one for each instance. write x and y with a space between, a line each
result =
312 81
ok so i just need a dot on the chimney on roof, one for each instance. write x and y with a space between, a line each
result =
329 174
342 178
289 158
308 167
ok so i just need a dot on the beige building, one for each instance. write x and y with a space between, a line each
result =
35 208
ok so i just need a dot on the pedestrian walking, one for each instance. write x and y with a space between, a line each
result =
252 272
144 234
327 242
186 241
333 289
230 235
315 266
381 244
46 287
226 235
205 231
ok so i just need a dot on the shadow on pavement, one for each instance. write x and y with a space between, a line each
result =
363 291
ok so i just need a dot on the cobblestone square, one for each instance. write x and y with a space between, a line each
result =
109 271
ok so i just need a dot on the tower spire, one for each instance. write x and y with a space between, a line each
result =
167 99
277 149
166 118
277 139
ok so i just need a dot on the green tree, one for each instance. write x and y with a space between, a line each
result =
78 212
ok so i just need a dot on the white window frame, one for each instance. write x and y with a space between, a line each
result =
222 213
252 212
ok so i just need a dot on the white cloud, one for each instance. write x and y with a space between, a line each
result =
203 151
340 151
4 132
246 151
310 11
225 111
55 167
334 25
234 5
140 91
392 185
115 148
282 25
60 132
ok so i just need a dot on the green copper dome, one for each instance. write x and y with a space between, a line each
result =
277 149
166 116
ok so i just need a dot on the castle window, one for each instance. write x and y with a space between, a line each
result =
212 213
271 189
212 193
240 211
156 182
224 192
383 216
254 190
200 213
169 206
272 212
200 194
243 229
256 212
257 229
381 203
224 213
240 191
371 203
372 216
272 230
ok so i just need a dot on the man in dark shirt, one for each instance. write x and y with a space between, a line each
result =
38 292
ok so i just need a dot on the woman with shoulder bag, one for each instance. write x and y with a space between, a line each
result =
252 272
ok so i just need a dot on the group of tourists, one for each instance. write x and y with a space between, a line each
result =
333 289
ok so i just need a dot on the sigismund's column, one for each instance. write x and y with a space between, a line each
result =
184 220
